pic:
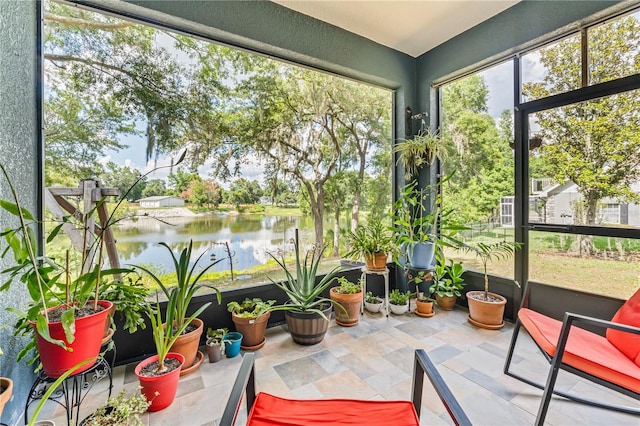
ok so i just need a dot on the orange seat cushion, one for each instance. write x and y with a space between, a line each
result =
627 343
269 410
586 351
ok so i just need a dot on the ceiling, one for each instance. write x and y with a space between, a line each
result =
412 27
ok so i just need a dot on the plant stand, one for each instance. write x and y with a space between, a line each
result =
385 274
75 388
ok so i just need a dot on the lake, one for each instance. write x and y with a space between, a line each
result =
250 239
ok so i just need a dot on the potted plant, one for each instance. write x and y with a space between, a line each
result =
129 297
420 151
424 306
214 343
6 390
348 297
66 317
448 283
159 374
486 309
372 242
372 303
250 318
121 410
179 297
307 312
399 302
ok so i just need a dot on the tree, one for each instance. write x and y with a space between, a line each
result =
154 187
479 151
203 192
124 178
244 191
180 180
339 195
595 144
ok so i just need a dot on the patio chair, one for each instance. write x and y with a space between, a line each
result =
611 360
268 410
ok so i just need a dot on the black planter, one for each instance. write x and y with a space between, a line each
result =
307 328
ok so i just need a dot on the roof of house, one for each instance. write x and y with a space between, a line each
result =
158 198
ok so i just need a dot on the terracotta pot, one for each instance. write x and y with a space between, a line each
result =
486 314
5 396
307 328
56 360
446 303
425 308
187 344
214 352
399 309
160 390
252 330
351 303
377 262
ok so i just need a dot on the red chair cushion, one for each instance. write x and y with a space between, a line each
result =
269 410
627 343
586 351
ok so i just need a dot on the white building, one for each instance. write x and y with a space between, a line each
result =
158 201
554 203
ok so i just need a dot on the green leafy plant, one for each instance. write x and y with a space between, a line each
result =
370 298
422 298
369 239
120 410
250 308
215 335
421 150
305 295
487 252
348 287
130 297
396 297
165 336
448 280
187 285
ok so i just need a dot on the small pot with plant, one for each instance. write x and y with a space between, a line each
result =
372 242
486 309
372 303
307 312
399 302
250 318
448 283
159 374
179 297
6 390
214 343
121 410
348 298
424 306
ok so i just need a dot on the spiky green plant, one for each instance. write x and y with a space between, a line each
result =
487 252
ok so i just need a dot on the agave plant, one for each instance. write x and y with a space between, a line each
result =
303 291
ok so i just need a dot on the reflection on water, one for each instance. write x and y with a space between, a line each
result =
250 238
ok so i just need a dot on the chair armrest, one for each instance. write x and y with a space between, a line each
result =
422 366
575 318
244 383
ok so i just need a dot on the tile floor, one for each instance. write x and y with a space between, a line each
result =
373 360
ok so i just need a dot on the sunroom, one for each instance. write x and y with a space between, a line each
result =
511 93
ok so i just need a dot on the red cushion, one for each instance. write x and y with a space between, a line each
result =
269 410
586 351
627 343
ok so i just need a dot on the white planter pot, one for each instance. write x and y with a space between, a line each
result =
373 307
398 309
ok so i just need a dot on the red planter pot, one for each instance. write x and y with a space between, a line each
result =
57 360
160 390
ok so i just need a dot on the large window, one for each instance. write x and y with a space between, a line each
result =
270 146
576 201
477 121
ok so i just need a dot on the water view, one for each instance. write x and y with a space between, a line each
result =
250 239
